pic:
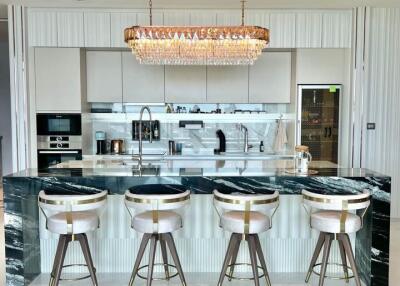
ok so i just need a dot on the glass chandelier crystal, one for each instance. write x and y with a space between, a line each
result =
197 45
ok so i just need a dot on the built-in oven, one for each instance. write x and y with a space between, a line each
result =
48 158
57 124
59 138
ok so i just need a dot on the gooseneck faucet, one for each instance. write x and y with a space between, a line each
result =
140 133
246 138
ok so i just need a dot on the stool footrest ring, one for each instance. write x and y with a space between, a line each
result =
243 278
158 279
74 279
334 277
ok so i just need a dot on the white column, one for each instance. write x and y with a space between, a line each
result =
19 99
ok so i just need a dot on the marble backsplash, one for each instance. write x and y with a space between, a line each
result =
120 127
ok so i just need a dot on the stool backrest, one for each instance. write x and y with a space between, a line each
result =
72 203
244 202
336 202
159 202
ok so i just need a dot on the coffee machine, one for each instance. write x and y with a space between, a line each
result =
101 143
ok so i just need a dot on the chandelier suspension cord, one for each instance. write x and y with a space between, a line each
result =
243 2
151 12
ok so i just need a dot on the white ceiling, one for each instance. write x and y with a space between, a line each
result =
208 3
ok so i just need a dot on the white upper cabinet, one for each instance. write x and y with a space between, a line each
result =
203 17
229 18
119 22
141 83
257 18
144 19
42 28
227 84
176 18
104 76
270 78
70 29
185 84
337 27
309 29
97 29
58 80
282 30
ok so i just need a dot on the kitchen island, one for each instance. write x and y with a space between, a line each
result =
201 244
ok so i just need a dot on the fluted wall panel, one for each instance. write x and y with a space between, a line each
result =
288 246
382 97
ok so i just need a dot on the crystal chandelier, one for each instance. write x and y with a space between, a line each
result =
197 45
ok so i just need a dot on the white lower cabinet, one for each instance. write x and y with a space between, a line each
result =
104 76
270 78
227 84
141 83
185 84
58 80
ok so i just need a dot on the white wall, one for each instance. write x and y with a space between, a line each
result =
5 104
330 66
381 151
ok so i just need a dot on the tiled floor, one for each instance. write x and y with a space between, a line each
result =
205 279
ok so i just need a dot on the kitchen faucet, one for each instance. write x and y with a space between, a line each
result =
247 146
140 134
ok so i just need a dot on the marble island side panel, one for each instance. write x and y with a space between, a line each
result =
22 216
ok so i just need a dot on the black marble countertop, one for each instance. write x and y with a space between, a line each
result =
195 172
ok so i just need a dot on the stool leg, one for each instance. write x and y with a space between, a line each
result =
58 253
139 256
235 253
262 259
253 258
315 256
152 255
164 255
228 257
60 257
82 238
344 259
349 251
172 248
327 248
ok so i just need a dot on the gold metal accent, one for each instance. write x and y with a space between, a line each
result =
151 12
68 217
343 201
75 279
343 218
362 216
167 277
334 277
246 218
252 202
244 278
161 201
77 202
154 214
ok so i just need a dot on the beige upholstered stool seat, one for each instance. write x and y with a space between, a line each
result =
330 221
233 221
168 221
82 222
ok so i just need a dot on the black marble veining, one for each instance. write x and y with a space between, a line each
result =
21 211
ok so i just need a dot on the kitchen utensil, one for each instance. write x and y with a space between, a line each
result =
117 146
101 142
171 147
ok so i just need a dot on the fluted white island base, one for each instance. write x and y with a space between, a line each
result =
200 279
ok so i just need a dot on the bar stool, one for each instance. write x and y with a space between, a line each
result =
245 216
155 215
72 216
335 219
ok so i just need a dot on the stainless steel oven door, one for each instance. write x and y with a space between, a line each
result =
48 158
